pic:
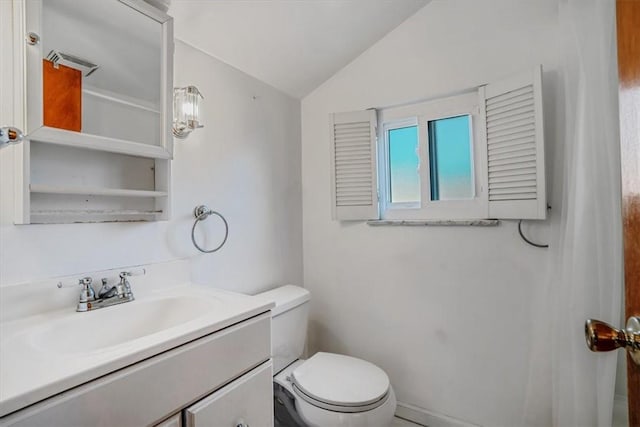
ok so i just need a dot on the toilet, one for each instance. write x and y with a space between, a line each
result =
327 389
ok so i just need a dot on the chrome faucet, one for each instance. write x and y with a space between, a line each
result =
107 295
106 291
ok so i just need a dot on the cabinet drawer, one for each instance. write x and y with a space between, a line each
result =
247 401
148 391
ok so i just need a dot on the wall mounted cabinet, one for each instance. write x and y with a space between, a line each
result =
117 166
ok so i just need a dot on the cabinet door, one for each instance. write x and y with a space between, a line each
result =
246 402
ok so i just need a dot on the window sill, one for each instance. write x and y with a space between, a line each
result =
437 223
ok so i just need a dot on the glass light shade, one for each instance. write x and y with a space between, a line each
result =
186 110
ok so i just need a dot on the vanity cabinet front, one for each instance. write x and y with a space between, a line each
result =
217 380
241 403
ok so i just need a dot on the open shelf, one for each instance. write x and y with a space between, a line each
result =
120 99
64 212
69 185
95 191
67 216
51 135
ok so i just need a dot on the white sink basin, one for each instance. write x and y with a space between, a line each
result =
107 327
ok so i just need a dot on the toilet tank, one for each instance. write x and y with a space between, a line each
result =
288 323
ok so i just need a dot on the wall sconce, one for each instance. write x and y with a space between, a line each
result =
186 110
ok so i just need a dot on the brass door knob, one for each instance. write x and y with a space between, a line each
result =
601 336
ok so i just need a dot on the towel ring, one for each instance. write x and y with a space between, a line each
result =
201 213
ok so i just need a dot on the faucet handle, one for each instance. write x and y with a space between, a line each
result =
133 272
124 288
85 282
82 282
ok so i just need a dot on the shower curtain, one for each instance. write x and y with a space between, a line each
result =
569 385
586 248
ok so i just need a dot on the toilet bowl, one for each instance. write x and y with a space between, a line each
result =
336 390
327 389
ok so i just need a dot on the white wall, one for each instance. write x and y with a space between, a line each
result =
446 311
244 163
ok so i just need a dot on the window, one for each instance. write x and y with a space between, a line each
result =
450 158
404 178
471 156
428 159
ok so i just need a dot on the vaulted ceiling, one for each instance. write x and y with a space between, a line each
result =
293 45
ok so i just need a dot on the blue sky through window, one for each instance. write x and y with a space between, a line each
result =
450 159
403 165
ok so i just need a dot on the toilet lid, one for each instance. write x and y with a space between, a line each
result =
341 380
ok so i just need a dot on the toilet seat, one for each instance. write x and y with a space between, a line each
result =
340 383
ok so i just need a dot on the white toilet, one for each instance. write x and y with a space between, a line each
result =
327 389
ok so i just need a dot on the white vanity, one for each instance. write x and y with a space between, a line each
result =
180 354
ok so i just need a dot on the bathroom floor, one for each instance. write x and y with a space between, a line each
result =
399 422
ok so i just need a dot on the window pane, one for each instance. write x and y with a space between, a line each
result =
450 159
403 165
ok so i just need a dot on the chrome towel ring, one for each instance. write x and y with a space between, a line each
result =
201 213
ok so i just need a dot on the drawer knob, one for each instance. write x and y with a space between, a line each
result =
241 423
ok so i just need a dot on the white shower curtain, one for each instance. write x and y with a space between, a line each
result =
569 386
586 244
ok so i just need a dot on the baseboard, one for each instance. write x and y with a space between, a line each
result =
427 418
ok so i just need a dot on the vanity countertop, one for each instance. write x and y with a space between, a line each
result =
45 354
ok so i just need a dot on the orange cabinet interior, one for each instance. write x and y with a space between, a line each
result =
62 93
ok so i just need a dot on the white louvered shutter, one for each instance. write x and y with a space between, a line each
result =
515 147
354 187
